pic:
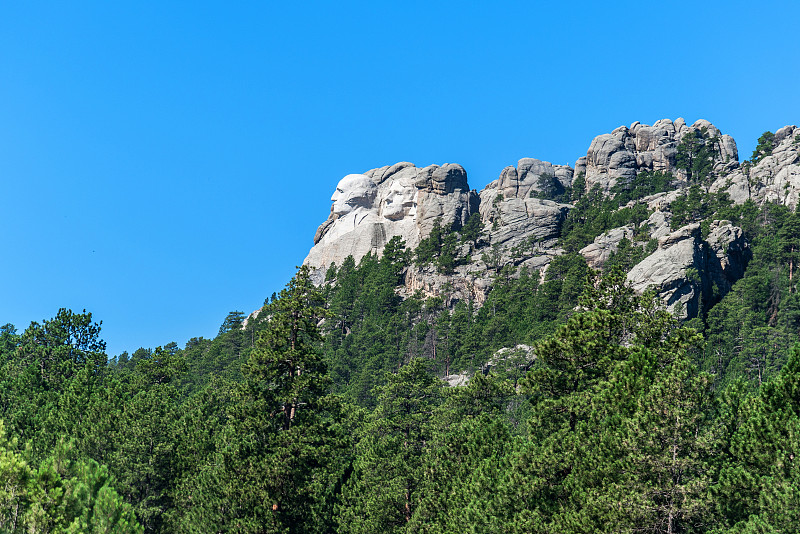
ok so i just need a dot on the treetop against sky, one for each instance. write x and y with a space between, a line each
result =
164 165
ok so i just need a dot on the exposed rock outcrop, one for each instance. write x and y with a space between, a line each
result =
510 360
529 176
667 270
621 154
398 200
522 228
463 285
457 380
729 254
775 178
606 244
658 224
530 223
685 270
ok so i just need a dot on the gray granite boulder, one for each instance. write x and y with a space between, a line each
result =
527 178
688 272
604 245
618 156
668 270
775 178
523 227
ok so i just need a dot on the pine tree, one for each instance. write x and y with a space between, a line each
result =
586 387
669 447
759 487
469 436
766 143
64 494
279 458
383 492
789 235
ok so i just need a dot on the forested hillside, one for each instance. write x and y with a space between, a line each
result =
478 380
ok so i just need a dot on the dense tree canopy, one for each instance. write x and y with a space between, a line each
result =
329 410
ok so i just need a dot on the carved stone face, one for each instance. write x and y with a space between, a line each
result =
399 201
354 191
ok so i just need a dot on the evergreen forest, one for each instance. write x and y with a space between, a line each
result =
581 405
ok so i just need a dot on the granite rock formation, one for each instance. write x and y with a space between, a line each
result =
518 222
685 269
398 200
522 227
530 176
775 178
618 156
607 243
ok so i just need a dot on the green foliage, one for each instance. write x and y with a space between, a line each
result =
520 310
592 392
469 436
36 369
594 214
695 155
764 148
143 456
233 321
493 257
287 370
430 248
384 491
759 485
222 356
697 205
626 256
473 229
578 187
745 215
671 448
440 247
751 327
61 495
645 183
371 330
273 465
689 208
326 412
550 188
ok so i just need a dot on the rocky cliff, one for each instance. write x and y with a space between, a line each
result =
621 154
774 178
399 200
518 223
524 210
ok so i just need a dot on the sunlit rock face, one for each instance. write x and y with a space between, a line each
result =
618 156
686 270
354 192
524 227
529 178
521 227
398 200
605 245
775 178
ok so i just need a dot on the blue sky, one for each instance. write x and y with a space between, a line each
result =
164 163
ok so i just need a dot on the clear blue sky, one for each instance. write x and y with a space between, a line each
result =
164 163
